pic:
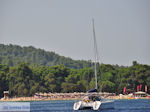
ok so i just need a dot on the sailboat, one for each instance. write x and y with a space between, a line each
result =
91 100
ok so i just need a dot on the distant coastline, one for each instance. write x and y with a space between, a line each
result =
20 78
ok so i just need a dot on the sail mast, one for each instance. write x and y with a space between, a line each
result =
95 55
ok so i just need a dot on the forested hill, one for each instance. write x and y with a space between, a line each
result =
14 54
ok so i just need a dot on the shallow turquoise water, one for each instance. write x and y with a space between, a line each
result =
139 105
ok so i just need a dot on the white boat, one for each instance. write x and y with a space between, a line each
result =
91 101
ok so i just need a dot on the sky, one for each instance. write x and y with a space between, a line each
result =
65 27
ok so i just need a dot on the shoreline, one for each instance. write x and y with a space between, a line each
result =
57 96
68 96
25 99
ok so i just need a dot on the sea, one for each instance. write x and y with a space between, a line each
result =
137 105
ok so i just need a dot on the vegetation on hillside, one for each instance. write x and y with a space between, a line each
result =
27 70
25 80
14 54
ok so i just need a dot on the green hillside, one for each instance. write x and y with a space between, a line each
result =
25 79
14 54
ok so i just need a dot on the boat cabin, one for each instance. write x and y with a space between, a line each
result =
89 98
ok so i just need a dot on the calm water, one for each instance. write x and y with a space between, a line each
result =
117 106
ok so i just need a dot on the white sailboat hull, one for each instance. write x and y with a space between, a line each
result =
95 105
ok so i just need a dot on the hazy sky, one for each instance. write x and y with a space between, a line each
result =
65 27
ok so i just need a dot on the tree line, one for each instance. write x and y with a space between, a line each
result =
14 54
26 80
